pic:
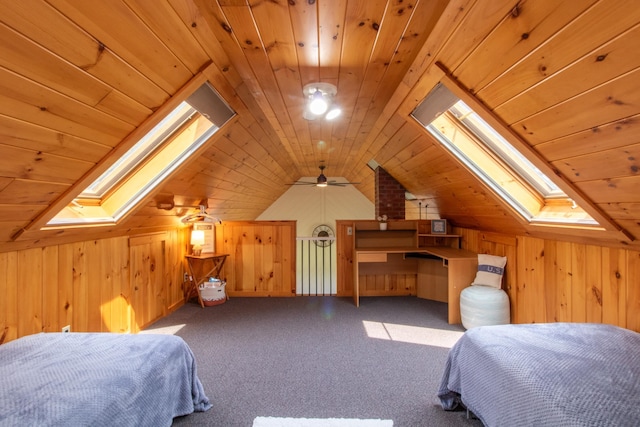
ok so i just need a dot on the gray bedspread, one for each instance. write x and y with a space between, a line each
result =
556 374
99 379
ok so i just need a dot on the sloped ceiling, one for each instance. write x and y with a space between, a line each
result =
77 77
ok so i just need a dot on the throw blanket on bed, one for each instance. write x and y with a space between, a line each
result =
100 379
557 374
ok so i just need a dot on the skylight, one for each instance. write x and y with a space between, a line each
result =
507 152
504 169
148 162
139 151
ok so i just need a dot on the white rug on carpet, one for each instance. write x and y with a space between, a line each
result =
319 422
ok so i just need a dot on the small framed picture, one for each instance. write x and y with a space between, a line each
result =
438 226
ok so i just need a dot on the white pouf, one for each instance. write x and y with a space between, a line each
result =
483 306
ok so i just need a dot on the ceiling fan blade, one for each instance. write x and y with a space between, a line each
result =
342 184
301 183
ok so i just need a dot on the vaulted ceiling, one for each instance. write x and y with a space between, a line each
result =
78 77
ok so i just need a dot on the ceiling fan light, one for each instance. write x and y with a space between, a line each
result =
308 115
333 113
318 104
322 181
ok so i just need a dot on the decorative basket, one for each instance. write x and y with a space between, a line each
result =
213 293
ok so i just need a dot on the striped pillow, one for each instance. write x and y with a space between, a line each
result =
490 270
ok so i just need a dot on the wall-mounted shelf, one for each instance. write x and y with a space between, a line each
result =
401 234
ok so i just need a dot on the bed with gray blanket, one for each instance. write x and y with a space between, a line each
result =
98 379
556 374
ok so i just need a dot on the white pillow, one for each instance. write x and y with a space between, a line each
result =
490 270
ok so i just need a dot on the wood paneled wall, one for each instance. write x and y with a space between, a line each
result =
262 257
123 284
120 284
557 281
546 280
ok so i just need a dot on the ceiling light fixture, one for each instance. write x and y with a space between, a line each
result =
322 180
319 100
318 104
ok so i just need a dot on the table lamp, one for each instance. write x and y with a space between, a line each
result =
197 240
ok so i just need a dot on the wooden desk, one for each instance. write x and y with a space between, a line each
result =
201 267
461 268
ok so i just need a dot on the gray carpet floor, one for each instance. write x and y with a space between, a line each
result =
318 357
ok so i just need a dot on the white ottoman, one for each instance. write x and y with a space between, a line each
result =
483 306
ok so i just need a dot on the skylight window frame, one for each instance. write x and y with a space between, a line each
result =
73 212
473 167
131 189
595 219
513 158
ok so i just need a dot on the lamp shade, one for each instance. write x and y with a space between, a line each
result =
197 237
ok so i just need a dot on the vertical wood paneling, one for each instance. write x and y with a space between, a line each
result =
259 259
344 251
86 285
93 257
557 266
52 316
593 283
9 300
64 284
633 291
29 284
174 261
80 293
555 281
115 306
531 279
147 279
614 280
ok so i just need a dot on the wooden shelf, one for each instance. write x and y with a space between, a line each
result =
401 234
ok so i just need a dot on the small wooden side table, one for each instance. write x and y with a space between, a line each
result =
201 267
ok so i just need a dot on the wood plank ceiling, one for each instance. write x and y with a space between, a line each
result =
77 77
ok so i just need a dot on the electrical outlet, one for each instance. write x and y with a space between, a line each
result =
186 277
349 231
66 329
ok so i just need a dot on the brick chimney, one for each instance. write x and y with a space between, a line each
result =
390 196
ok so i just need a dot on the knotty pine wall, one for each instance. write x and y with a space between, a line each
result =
123 284
120 284
557 281
547 280
262 257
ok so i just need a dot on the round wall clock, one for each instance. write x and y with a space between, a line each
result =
323 231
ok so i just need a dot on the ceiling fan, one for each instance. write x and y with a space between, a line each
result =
322 181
